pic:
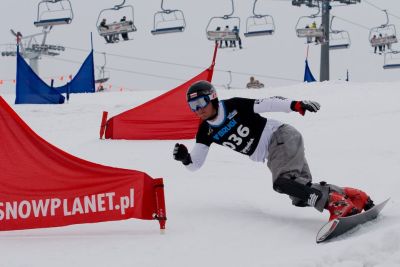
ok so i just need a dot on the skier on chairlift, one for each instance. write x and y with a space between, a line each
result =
124 35
103 24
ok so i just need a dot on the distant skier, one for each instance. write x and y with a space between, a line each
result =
236 123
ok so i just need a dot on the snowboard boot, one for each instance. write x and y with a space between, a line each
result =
359 198
340 205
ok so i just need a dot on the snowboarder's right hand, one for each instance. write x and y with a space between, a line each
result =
181 154
305 105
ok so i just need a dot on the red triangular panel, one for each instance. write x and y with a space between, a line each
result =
166 117
43 186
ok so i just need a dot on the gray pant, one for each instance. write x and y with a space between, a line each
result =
286 160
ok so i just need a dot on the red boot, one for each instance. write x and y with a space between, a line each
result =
359 198
340 206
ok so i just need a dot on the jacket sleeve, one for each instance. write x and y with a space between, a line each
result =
198 156
272 104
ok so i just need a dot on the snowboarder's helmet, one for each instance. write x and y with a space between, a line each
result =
200 94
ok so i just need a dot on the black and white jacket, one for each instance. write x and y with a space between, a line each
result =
240 127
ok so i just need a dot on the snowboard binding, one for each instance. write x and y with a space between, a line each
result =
352 201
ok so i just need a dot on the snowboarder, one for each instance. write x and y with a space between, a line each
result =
237 124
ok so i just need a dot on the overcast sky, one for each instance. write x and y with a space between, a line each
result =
277 59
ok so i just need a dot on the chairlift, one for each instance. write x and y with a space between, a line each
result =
168 21
9 51
122 17
384 35
54 12
306 26
338 39
225 28
228 85
392 59
259 25
103 75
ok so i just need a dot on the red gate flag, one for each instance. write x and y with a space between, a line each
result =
166 117
43 186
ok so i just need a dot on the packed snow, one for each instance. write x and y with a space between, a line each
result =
226 214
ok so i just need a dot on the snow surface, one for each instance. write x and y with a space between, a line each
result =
226 214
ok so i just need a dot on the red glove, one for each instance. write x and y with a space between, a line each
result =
302 106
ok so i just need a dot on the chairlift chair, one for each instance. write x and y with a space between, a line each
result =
259 25
168 21
103 75
54 12
217 33
217 27
384 34
392 59
116 27
303 32
9 51
338 39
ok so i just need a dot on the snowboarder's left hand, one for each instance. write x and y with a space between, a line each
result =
181 153
305 105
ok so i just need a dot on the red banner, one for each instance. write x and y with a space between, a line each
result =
43 186
166 117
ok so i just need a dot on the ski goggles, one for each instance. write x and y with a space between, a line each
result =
199 103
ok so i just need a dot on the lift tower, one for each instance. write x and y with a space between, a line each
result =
49 13
31 49
324 6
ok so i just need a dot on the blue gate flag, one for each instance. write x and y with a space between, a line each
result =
30 89
308 77
83 82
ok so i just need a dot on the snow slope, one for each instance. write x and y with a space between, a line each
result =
226 214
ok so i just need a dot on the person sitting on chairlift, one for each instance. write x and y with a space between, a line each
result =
373 40
218 29
309 39
381 47
388 44
124 34
103 24
227 30
236 31
319 40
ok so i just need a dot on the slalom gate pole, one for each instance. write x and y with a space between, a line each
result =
103 124
161 214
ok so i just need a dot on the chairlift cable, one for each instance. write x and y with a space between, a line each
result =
393 15
140 59
261 75
179 79
373 5
124 70
175 64
354 23
381 9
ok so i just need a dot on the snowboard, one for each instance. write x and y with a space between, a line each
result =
341 225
